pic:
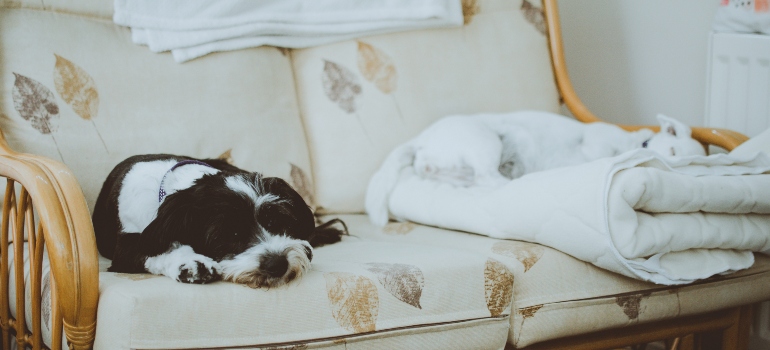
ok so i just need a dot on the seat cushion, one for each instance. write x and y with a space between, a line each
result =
74 88
361 98
355 288
556 295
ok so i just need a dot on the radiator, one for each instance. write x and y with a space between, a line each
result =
738 98
738 92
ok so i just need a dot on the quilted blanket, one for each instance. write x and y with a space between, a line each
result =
668 222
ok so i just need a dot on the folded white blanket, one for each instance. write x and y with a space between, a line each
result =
193 28
668 222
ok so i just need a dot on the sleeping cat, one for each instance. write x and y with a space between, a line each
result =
492 149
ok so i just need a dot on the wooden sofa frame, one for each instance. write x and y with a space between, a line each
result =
44 202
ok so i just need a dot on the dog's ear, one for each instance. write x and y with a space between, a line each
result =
280 188
673 127
327 233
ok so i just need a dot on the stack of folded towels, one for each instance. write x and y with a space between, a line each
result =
193 28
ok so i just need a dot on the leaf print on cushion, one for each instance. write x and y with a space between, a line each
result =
529 311
227 156
535 16
284 51
76 87
340 85
498 287
78 90
36 104
528 253
135 276
405 282
289 347
302 185
398 228
377 67
353 300
631 304
470 9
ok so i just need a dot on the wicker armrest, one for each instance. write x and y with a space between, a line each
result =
724 138
47 188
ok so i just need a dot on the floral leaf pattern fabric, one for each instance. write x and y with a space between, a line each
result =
398 228
498 287
405 282
76 88
341 86
470 9
284 51
35 103
227 156
353 300
529 312
527 253
135 276
377 67
289 347
535 16
302 185
631 304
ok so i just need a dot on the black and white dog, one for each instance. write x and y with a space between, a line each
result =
201 220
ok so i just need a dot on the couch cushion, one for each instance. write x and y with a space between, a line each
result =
556 295
380 91
356 287
76 89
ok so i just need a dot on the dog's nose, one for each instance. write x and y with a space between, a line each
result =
275 265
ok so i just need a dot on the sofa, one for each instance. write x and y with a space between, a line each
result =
78 97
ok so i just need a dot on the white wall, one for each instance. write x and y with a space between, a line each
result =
630 60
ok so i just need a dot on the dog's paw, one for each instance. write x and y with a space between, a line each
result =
200 270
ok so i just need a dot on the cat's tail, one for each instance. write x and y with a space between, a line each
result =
384 180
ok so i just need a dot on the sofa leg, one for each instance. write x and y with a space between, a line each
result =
736 337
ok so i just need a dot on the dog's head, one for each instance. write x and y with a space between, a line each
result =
258 229
674 139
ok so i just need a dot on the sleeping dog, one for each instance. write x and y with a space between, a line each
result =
491 149
201 220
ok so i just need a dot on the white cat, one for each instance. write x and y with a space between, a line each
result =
492 149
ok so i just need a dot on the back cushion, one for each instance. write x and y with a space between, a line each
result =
359 99
76 89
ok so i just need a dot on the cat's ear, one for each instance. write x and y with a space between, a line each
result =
673 127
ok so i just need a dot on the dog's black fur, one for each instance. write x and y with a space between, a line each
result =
212 219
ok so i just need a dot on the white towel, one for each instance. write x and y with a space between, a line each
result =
668 222
193 28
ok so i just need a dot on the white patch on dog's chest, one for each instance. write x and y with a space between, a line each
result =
138 199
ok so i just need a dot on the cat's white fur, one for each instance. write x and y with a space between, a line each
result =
492 149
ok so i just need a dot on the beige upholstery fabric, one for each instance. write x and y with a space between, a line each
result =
357 291
92 98
556 295
359 99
